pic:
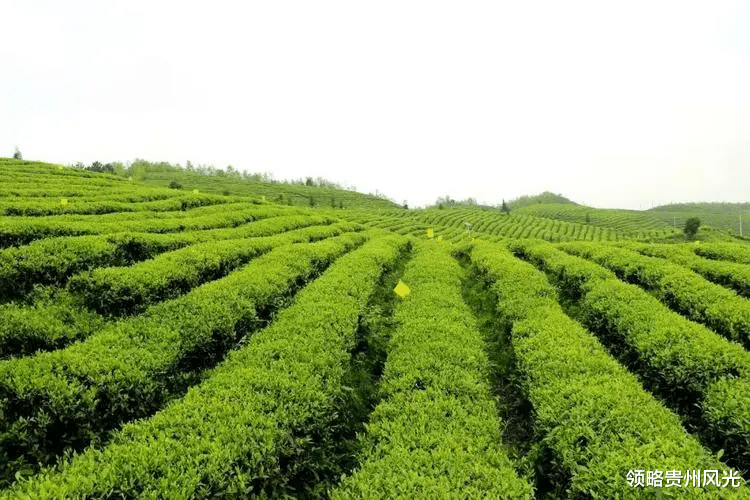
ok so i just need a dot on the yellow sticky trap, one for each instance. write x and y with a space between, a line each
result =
195 191
63 201
440 238
60 167
430 233
130 178
697 242
263 198
401 289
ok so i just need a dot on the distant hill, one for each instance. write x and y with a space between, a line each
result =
542 198
630 223
719 215
714 207
657 223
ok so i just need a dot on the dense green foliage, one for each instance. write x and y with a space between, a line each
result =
731 252
17 231
723 216
491 225
52 319
691 226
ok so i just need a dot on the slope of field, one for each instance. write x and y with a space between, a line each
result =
31 188
283 193
238 348
628 223
458 223
721 216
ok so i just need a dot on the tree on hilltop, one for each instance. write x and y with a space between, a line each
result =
17 154
691 226
504 208
98 167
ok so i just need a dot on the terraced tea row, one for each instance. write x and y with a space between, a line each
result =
131 368
679 288
436 432
35 208
591 414
49 322
86 192
263 422
118 291
17 231
489 225
700 374
279 192
628 223
725 251
52 261
728 274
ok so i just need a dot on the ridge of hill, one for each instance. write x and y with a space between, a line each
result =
461 223
657 226
234 182
545 197
709 206
619 219
719 215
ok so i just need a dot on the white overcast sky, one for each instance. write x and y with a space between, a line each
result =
613 104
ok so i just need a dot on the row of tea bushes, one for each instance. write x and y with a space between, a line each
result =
679 288
728 274
262 423
436 432
72 396
16 231
120 291
590 412
703 375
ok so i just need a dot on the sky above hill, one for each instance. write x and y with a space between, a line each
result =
623 105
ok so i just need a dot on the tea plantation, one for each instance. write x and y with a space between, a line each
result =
191 343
